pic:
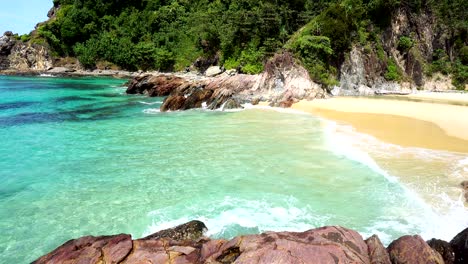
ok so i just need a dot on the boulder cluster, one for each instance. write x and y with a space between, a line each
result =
186 244
283 83
22 57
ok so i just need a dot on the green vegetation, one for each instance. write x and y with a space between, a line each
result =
393 73
171 34
405 43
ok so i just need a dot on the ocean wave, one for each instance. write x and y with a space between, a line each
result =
234 216
152 111
339 138
276 109
47 75
441 218
150 103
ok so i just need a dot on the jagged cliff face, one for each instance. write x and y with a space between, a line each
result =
19 56
6 44
363 72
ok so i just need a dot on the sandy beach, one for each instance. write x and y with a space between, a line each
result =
438 121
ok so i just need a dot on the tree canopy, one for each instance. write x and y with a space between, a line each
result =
171 34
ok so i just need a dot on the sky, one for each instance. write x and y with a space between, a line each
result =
21 16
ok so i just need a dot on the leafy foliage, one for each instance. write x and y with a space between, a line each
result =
166 35
171 34
405 43
393 73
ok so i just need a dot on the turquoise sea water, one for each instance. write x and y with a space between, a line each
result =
80 157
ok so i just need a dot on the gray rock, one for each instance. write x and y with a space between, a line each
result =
192 230
444 248
213 71
60 70
460 246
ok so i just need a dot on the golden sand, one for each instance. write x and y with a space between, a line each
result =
447 98
438 126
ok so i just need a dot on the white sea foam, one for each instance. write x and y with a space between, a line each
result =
252 216
150 103
152 111
276 109
233 213
47 75
442 220
338 139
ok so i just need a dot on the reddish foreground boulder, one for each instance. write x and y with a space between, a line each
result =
157 85
413 249
323 245
326 245
89 249
377 252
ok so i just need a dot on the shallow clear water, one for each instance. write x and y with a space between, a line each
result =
80 157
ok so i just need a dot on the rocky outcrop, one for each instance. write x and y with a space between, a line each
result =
159 85
362 74
213 71
185 244
192 230
89 249
460 247
377 252
444 249
413 249
283 83
364 68
7 42
323 245
23 57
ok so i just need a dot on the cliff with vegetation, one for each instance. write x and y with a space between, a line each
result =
347 46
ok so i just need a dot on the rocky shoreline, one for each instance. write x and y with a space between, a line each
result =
283 83
67 72
331 244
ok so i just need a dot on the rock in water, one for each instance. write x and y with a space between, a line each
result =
460 246
192 230
322 245
158 85
89 249
413 249
231 104
444 249
173 103
377 252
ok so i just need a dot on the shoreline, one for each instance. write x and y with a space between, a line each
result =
72 73
438 126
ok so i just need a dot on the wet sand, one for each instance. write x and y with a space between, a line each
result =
447 98
438 126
